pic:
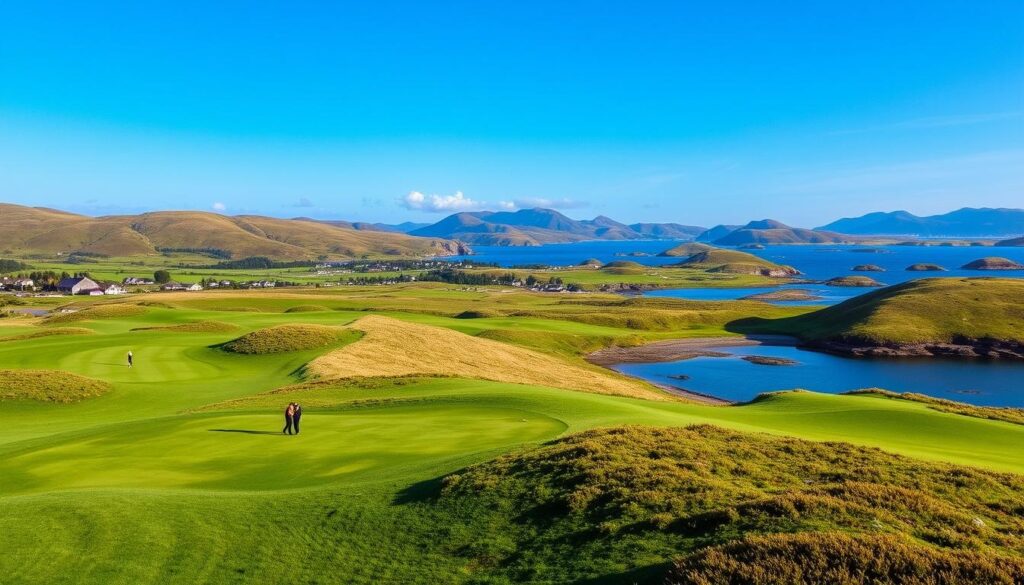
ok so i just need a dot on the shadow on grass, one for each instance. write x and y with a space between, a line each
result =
246 431
427 491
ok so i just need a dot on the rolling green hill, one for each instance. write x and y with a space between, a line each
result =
624 501
32 230
736 262
969 317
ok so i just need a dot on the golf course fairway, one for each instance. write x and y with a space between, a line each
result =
179 473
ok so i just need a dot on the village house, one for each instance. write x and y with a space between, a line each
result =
112 288
132 280
172 286
78 285
194 287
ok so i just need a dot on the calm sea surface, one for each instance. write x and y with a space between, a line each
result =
731 378
988 383
816 262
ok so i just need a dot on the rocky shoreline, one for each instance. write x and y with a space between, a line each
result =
673 350
962 348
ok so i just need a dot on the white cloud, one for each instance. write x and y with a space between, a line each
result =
441 203
304 202
458 201
531 202
218 206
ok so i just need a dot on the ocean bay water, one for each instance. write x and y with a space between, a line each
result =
981 382
816 262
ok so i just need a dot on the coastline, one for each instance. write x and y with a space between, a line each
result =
672 350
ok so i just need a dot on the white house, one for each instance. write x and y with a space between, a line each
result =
194 287
114 289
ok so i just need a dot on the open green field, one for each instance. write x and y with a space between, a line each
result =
179 473
191 268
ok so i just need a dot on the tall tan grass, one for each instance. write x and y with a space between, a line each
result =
391 347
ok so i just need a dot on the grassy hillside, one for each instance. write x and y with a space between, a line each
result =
30 230
624 501
928 310
736 262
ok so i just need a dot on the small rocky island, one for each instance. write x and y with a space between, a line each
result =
763 360
868 268
793 294
853 282
925 268
993 263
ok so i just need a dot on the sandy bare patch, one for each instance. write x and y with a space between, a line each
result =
391 347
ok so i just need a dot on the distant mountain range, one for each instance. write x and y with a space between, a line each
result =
37 230
398 228
534 227
963 223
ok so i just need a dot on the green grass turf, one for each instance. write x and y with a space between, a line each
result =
153 482
925 310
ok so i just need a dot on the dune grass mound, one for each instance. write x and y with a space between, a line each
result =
627 501
119 311
390 347
193 327
48 386
811 559
932 310
306 309
48 332
285 338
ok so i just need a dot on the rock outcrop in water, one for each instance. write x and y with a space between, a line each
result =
853 282
925 268
993 263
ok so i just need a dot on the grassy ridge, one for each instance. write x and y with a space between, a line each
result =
927 310
625 501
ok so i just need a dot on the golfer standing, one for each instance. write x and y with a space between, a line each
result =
130 357
296 415
289 416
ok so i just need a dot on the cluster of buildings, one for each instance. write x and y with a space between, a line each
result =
83 285
17 284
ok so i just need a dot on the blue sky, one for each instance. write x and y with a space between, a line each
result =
698 113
